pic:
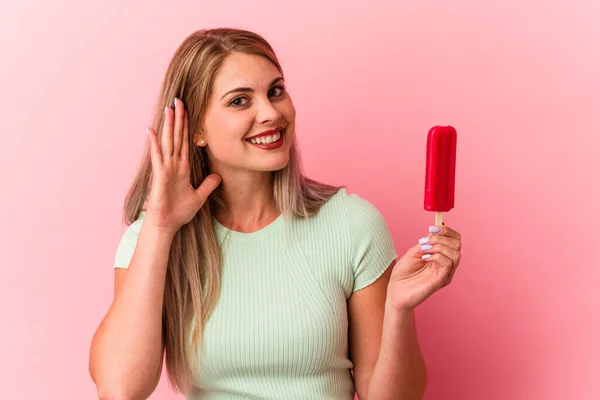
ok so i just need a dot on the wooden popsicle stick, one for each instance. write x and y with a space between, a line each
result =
438 218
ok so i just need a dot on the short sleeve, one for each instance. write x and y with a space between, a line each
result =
127 244
373 248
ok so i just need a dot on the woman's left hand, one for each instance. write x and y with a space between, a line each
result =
423 271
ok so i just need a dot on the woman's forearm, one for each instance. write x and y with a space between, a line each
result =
126 352
400 372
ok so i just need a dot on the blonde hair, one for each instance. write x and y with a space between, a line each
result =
193 278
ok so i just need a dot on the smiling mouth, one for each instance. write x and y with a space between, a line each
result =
268 139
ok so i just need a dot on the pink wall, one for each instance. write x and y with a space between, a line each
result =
519 81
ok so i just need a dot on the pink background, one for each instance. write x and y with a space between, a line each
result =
519 81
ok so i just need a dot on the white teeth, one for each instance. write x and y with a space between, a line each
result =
266 139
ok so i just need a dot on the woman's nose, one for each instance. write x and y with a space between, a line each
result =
268 112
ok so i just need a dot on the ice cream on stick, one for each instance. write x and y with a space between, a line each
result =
440 169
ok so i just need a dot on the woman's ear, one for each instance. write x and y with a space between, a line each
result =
199 140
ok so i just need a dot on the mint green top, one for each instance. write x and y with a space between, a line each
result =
280 327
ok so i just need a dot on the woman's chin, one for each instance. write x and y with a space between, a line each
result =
275 165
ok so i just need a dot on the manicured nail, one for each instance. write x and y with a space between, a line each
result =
175 102
425 256
423 240
426 247
435 229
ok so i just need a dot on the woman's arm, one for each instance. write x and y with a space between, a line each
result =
383 346
127 349
400 371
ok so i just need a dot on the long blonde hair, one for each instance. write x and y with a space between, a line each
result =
193 278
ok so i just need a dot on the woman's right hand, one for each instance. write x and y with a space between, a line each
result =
173 201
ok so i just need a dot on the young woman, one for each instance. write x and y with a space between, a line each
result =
254 280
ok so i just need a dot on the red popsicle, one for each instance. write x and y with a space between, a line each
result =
440 168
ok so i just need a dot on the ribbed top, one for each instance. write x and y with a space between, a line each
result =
280 327
222 231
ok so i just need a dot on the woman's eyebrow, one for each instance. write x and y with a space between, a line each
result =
247 89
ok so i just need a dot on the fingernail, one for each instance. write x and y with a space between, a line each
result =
423 240
425 256
175 102
147 131
166 108
435 229
426 247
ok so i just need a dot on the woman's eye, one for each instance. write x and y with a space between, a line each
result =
281 90
237 102
277 91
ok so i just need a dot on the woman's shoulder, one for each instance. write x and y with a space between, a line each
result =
349 216
345 202
128 242
350 209
136 225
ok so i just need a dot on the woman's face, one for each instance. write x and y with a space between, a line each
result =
248 98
